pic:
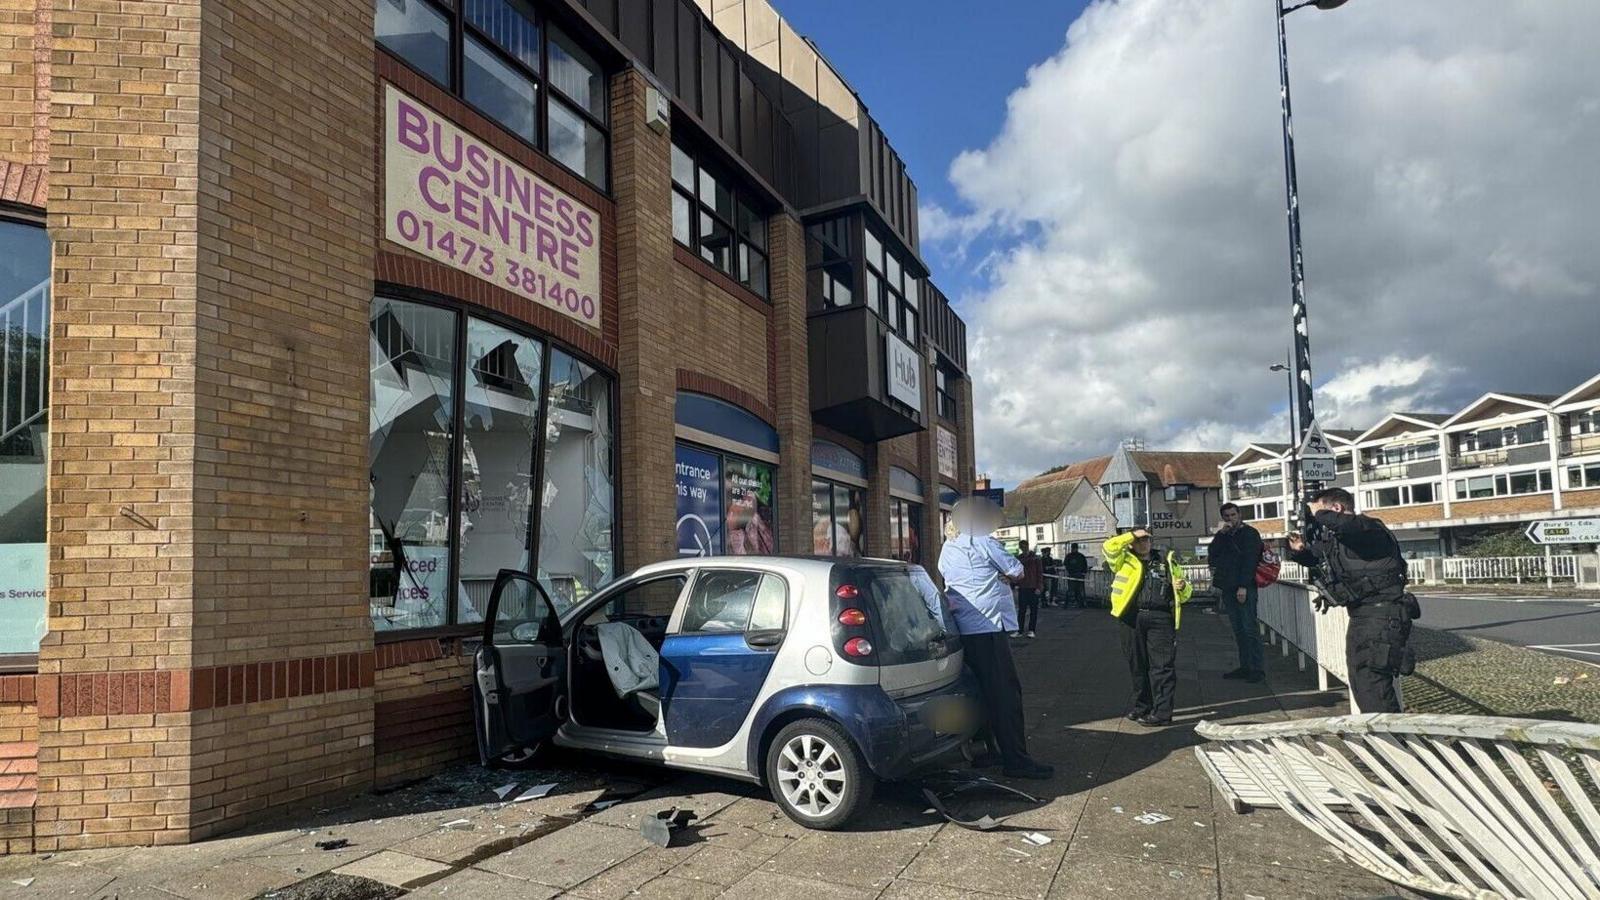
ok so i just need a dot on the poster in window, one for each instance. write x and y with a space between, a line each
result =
699 483
748 490
947 451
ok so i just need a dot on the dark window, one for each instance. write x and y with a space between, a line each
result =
944 390
515 67
905 530
720 601
715 216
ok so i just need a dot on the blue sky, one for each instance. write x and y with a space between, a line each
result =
1102 193
935 74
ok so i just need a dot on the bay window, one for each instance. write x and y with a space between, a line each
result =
510 63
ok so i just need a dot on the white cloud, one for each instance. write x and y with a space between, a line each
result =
1131 208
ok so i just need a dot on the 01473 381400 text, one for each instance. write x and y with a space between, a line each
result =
452 198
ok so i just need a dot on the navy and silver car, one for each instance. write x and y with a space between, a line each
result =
813 677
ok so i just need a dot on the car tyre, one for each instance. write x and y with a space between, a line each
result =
816 774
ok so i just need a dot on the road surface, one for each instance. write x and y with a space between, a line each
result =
1569 628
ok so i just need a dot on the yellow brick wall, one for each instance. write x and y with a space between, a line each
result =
717 333
24 80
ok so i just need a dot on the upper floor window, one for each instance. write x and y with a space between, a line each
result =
892 291
512 65
944 390
718 219
829 258
1509 436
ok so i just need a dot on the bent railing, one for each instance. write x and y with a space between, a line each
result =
1463 806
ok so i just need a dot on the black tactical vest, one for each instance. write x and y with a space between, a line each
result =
1348 580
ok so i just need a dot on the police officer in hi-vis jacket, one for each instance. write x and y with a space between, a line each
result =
1147 595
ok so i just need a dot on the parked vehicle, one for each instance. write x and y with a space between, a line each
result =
813 677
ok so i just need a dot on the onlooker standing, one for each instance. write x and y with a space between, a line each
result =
1235 553
1077 566
977 574
1147 595
1052 577
1029 588
1357 564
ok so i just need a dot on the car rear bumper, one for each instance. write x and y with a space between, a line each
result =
924 728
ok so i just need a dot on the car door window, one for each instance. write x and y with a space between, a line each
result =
522 615
654 599
720 601
772 600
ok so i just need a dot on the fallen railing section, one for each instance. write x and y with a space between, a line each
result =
1463 806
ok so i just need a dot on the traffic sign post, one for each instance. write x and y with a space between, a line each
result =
1316 458
1551 532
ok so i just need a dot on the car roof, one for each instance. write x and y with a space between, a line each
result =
822 563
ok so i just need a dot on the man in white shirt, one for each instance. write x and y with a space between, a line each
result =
978 574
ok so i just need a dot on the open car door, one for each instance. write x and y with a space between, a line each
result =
520 672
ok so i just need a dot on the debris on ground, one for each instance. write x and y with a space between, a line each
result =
598 805
1036 839
983 823
332 886
458 825
335 844
1117 810
22 882
1019 852
1152 818
505 789
659 828
1562 679
535 792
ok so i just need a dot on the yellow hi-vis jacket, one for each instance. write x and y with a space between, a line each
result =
1128 575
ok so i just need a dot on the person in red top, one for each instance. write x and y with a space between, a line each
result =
1029 590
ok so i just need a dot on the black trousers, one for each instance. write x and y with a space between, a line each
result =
1150 641
989 656
1375 654
1075 590
1028 609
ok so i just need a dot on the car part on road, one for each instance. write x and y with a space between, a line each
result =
659 828
955 782
816 775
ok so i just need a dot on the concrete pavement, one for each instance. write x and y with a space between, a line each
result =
452 838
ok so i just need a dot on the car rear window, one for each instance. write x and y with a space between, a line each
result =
905 628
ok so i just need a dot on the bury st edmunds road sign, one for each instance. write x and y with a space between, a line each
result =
1565 531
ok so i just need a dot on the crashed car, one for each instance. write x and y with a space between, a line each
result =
814 677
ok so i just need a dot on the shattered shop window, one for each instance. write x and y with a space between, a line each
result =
579 495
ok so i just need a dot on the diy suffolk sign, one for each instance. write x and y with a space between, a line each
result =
454 199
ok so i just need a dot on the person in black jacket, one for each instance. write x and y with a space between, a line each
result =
1358 565
1235 552
1077 568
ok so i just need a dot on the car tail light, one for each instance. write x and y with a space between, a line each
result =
858 647
847 592
853 617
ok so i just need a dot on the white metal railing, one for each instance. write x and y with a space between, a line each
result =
24 363
1460 806
1508 568
1580 445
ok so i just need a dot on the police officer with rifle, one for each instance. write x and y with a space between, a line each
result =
1356 563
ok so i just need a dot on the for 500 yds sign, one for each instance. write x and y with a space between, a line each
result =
450 197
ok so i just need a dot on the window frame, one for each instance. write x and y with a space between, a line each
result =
740 197
723 458
678 626
460 29
25 663
834 485
901 313
462 312
944 401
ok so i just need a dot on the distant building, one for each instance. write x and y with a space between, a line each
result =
1174 494
1439 479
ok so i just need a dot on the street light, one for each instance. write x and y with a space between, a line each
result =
1300 379
1294 437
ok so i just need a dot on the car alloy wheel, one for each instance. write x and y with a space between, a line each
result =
812 775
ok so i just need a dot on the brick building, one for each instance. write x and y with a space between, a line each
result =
1440 479
610 281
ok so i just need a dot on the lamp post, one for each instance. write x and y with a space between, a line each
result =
1293 512
1303 405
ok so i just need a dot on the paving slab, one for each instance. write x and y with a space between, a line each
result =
994 861
569 857
476 884
868 860
226 881
1284 883
399 869
668 887
1091 875
57 880
627 877
771 885
705 795
1179 840
718 865
1270 837
906 889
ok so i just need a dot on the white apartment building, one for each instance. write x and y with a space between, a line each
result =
1436 478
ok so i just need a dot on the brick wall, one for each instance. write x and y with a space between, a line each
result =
791 383
1501 506
422 715
1401 515
19 762
124 160
25 81
717 331
1580 499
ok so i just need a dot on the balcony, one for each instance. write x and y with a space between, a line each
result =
1237 492
1422 468
1500 456
1580 445
863 377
